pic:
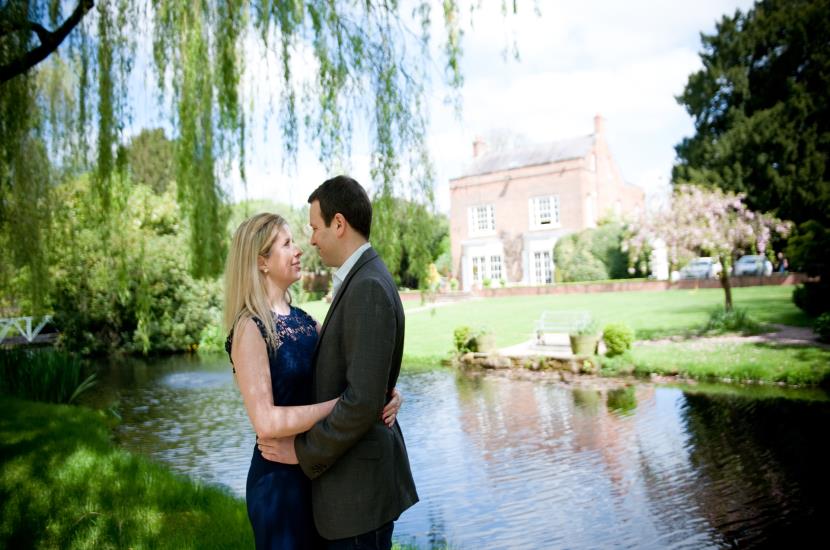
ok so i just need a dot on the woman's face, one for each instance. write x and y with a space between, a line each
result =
283 260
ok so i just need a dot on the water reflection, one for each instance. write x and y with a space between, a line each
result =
515 464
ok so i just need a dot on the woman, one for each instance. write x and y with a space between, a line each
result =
271 346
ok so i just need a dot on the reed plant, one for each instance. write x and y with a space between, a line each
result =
47 375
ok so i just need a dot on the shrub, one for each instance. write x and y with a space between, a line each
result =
737 320
123 283
43 375
812 297
467 339
822 326
453 284
592 255
618 338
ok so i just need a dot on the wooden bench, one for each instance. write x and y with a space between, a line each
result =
559 322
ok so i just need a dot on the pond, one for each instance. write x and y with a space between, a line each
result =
503 463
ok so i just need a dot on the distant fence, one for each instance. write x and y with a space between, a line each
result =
776 279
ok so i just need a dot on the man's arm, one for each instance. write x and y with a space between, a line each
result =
368 345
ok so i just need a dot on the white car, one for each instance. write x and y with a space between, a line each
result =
753 264
701 268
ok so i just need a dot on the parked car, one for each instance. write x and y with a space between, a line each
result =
701 268
753 264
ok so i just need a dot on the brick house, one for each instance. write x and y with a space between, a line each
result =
509 208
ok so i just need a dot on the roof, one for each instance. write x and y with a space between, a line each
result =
534 155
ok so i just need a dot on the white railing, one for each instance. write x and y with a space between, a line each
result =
23 326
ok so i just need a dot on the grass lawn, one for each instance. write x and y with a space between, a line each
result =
651 314
792 365
63 484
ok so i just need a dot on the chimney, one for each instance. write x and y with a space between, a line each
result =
599 125
479 147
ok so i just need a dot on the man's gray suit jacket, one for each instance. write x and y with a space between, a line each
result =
359 467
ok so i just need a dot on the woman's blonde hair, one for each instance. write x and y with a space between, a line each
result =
245 293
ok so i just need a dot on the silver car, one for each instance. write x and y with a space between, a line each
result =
701 268
753 264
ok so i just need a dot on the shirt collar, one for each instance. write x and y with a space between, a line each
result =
343 272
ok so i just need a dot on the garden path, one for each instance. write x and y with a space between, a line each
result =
782 335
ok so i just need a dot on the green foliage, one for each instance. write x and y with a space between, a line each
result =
43 375
822 326
370 63
123 283
151 161
409 237
588 328
791 365
813 297
469 340
64 484
807 253
734 320
807 248
574 260
761 110
618 338
617 365
592 255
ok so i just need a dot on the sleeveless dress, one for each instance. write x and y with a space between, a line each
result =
278 496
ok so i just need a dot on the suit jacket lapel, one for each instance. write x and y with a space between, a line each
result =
364 259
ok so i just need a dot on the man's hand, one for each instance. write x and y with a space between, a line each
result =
278 449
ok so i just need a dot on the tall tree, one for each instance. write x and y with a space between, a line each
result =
369 60
761 109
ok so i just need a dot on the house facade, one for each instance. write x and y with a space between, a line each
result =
509 208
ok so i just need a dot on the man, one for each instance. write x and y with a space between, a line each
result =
361 479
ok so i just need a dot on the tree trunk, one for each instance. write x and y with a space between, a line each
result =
724 282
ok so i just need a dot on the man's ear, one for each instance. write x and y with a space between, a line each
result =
338 223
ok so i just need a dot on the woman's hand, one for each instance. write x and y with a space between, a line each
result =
390 411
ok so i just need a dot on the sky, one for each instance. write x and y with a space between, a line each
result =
623 60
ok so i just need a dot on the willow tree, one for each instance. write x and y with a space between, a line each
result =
64 91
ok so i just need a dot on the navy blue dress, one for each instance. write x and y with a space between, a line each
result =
279 495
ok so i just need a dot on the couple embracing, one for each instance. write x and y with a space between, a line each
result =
330 468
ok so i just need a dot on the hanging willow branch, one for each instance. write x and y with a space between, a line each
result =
49 41
340 65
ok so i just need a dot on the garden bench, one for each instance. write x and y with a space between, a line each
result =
559 322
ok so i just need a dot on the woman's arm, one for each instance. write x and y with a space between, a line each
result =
250 358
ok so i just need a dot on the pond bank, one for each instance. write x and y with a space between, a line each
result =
788 356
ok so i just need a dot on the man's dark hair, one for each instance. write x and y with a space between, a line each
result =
344 195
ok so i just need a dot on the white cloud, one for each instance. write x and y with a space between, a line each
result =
624 60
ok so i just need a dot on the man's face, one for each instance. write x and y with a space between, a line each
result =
323 237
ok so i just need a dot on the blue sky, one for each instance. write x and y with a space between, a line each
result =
623 60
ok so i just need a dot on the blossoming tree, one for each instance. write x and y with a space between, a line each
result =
705 222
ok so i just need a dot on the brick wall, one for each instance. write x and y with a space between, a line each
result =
624 286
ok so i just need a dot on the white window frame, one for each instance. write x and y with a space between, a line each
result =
538 219
542 270
482 219
496 272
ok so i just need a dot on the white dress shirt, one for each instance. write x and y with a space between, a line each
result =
343 272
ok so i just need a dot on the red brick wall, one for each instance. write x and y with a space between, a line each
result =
624 286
